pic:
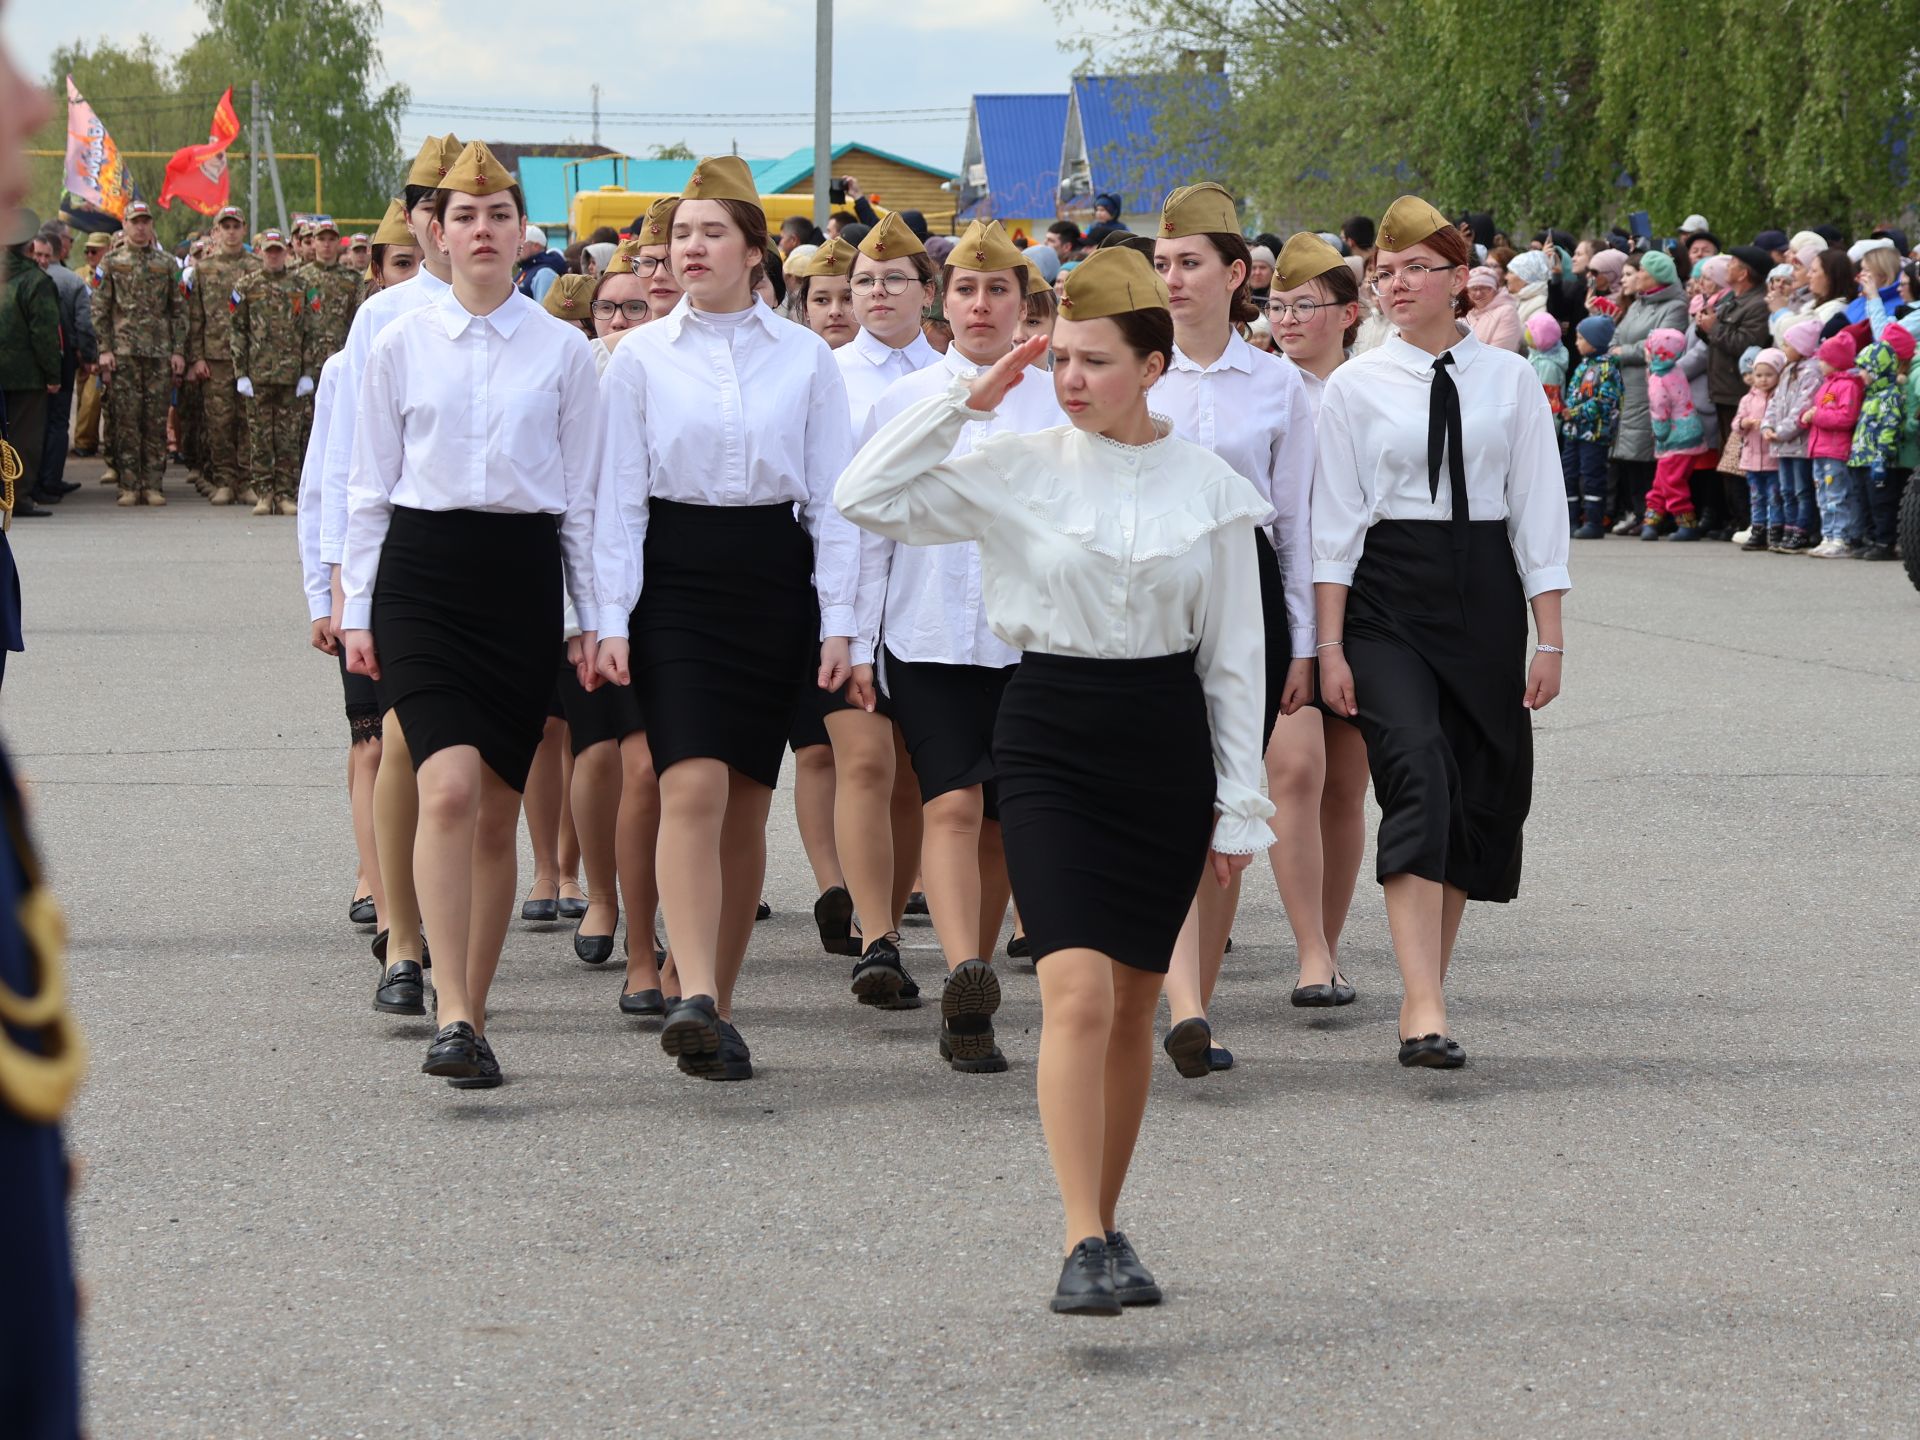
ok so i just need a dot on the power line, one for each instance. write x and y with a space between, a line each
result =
742 117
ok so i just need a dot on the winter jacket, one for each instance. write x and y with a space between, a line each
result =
1662 309
1693 365
1755 451
1910 422
1857 307
1792 395
1551 367
1676 427
1876 434
1836 408
1740 321
29 326
1592 400
1497 323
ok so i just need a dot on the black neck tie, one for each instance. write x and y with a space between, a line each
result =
1443 438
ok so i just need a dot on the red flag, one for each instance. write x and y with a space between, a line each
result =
197 174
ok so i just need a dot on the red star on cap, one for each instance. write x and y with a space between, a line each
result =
879 247
443 172
696 180
1168 227
981 256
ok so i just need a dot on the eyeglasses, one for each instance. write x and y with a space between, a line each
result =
893 283
1301 310
634 310
645 265
1413 276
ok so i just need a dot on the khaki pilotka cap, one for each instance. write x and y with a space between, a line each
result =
1305 257
1112 282
392 229
833 258
477 172
890 239
1408 221
985 246
436 157
570 297
1036 281
1203 209
657 227
721 177
624 254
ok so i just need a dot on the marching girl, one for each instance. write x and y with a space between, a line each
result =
471 491
1250 409
653 263
1316 767
720 419
945 669
1121 561
1439 516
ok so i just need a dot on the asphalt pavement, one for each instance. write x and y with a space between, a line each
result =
1674 1194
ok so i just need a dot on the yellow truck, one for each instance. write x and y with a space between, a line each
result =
612 205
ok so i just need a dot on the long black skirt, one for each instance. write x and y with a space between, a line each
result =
607 712
1439 677
723 633
946 715
465 607
1279 634
1106 822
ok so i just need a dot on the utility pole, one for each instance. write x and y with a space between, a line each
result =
253 157
596 114
822 108
273 170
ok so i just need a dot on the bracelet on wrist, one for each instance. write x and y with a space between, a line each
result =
1329 644
1549 650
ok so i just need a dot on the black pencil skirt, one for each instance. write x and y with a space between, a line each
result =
1279 634
810 715
1106 823
1439 678
610 712
465 607
723 633
946 715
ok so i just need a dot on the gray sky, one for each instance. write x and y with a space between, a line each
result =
727 56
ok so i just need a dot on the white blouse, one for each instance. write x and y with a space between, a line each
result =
1314 388
869 366
458 411
1373 457
927 602
316 574
744 409
1250 409
378 311
1094 549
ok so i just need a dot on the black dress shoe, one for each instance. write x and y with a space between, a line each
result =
1323 997
570 908
1189 1044
642 1002
1019 948
762 911
1086 1282
594 949
66 487
455 1052
361 912
879 977
733 1061
487 1076
401 991
692 1028
1132 1281
916 903
26 509
967 1006
1433 1052
46 497
1219 1058
833 915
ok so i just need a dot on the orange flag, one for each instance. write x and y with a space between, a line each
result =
197 174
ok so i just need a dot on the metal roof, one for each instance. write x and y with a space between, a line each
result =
790 170
1113 134
1012 165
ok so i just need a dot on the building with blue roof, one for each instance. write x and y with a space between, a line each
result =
1010 170
1116 138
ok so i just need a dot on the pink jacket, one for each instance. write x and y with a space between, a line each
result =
1755 451
1670 397
1836 408
1497 323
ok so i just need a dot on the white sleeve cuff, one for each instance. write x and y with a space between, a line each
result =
334 554
1333 572
613 623
836 620
319 607
861 652
358 616
1242 828
1302 642
1547 577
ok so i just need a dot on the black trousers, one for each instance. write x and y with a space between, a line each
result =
53 450
27 432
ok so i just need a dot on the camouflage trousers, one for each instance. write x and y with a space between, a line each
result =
273 440
224 457
137 420
190 425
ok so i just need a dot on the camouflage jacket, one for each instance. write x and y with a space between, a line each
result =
272 331
210 302
138 308
333 294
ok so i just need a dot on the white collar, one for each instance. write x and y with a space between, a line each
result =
674 322
1411 357
1237 356
503 320
429 281
958 363
916 352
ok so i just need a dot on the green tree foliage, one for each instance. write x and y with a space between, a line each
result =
678 150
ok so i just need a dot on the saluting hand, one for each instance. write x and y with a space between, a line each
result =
360 657
612 661
990 387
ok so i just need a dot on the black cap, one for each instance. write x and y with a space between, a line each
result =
1770 240
1758 261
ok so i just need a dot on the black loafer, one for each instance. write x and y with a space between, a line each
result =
1432 1052
643 1002
916 903
879 977
692 1029
594 949
1132 1282
454 1053
1323 997
733 1061
487 1076
401 991
1219 1058
1189 1045
833 916
1086 1282
361 911
1019 948
570 909
380 951
762 911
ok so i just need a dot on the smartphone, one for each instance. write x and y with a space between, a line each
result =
837 191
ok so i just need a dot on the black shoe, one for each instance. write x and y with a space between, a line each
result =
642 1003
1019 948
1219 1058
46 497
361 911
380 951
65 487
907 999
733 1061
594 949
1433 1052
1322 997
762 911
1132 1281
25 509
1086 1282
401 990
540 912
916 903
1876 551
833 915
880 977
455 1052
570 909
1189 1044
967 1006
484 1078
1227 949
692 1031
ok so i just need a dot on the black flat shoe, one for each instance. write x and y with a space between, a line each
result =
1132 1282
733 1061
361 911
1433 1052
880 977
1019 948
967 1006
487 1076
401 991
762 911
833 916
1324 997
916 903
692 1029
541 912
1086 1282
643 1002
1188 1045
594 949
570 908
1219 1058
454 1053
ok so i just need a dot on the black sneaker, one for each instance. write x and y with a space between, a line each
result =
1132 1281
880 977
486 1077
1875 551
1086 1282
733 1061
401 990
455 1052
692 1031
967 1006
1190 1046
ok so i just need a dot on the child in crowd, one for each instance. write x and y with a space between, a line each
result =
1875 452
1677 439
1590 415
1547 355
1829 421
1769 527
1792 394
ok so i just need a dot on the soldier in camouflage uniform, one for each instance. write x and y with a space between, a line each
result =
333 294
86 428
274 362
141 321
210 355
